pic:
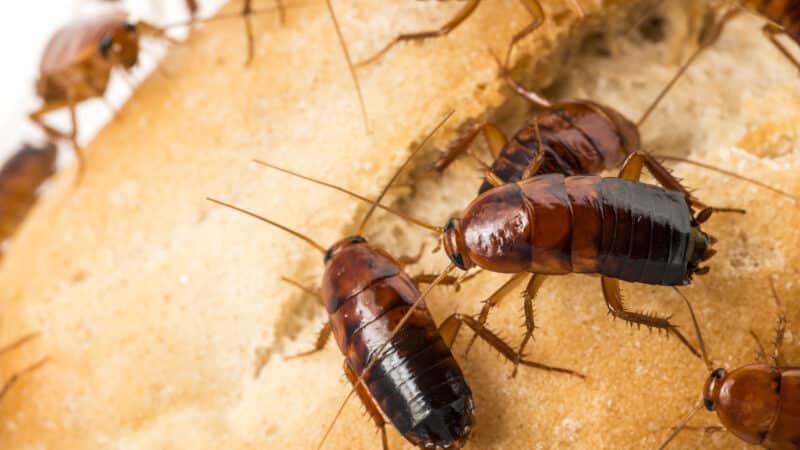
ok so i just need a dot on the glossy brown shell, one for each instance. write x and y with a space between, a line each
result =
20 177
554 225
760 404
578 138
416 382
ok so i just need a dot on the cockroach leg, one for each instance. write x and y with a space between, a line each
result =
247 9
73 117
494 138
493 300
537 161
771 31
369 404
531 96
451 24
616 308
534 283
780 328
450 327
535 8
322 339
428 278
281 11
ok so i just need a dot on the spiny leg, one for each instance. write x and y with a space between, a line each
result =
451 24
616 308
772 30
369 404
528 295
535 9
450 327
494 137
493 300
4 388
73 136
780 328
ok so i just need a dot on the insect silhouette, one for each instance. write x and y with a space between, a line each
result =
416 384
533 7
20 178
15 377
759 403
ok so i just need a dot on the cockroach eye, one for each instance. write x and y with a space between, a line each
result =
709 404
450 225
357 240
130 27
328 255
718 373
105 45
458 260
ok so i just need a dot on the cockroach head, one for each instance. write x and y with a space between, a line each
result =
120 45
346 242
453 241
712 388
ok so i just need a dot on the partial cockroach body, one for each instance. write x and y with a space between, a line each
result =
20 178
758 403
415 381
552 225
398 361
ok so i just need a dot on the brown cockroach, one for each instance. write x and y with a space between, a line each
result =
416 383
758 403
533 7
15 377
20 178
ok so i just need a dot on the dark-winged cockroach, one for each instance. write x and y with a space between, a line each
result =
616 227
758 403
20 178
533 7
15 377
373 305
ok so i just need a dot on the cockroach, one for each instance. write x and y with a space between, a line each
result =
534 8
416 383
15 377
759 403
20 178
616 227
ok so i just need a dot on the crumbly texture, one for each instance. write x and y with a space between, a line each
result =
164 316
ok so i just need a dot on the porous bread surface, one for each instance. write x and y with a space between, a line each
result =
164 316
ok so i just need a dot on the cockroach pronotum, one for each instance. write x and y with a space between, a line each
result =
758 403
15 377
533 7
20 178
416 383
